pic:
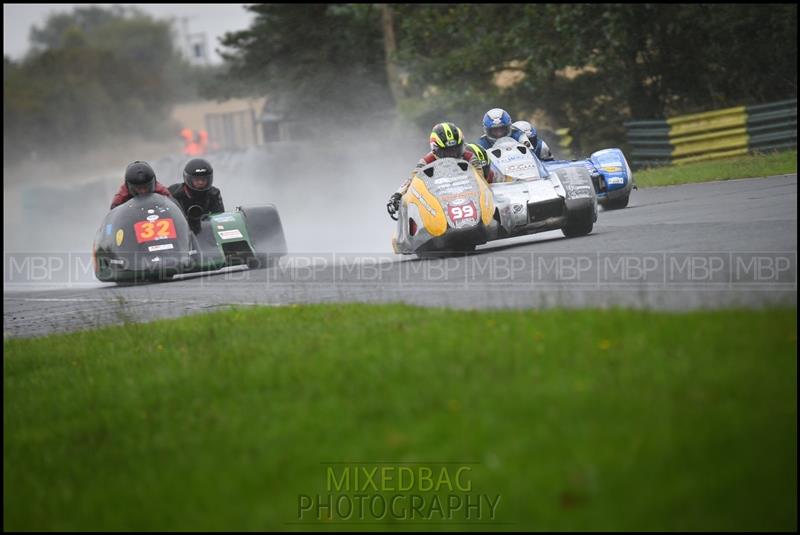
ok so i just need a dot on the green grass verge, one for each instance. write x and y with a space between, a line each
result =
606 420
754 165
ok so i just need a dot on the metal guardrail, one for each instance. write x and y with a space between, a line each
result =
715 134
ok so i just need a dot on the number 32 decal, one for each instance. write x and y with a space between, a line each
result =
161 229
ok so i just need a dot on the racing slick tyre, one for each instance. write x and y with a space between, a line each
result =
579 224
616 204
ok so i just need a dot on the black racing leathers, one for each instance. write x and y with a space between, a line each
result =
210 202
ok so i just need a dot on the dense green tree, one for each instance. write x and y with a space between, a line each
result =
591 67
323 60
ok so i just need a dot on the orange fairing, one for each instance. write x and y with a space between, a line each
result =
433 218
487 199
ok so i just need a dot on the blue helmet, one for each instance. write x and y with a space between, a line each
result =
529 130
496 124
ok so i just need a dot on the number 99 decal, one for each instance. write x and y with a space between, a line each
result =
463 212
160 229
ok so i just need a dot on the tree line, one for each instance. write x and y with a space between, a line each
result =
97 73
588 67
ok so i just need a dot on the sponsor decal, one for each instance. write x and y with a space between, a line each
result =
120 236
579 191
517 208
155 259
460 191
164 247
223 218
162 229
118 261
519 167
611 168
151 211
108 229
615 180
152 217
230 234
220 227
449 197
422 201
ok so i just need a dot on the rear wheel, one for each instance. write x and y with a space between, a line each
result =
616 204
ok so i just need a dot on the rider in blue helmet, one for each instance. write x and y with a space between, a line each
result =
496 124
537 145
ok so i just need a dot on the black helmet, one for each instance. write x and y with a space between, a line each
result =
138 176
447 141
198 168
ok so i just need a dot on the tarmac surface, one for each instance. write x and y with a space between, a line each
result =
695 246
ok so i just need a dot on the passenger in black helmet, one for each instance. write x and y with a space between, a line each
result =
195 194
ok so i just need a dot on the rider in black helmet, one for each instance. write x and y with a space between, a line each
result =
140 179
195 194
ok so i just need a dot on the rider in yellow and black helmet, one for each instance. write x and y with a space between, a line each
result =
446 141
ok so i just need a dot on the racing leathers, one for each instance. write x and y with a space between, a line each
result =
487 143
542 151
124 195
210 202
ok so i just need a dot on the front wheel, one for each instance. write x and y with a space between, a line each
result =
578 224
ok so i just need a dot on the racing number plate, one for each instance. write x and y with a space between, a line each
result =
464 212
160 229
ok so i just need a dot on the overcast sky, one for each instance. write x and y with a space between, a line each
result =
211 19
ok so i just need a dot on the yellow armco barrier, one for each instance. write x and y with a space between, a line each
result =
711 156
564 139
710 120
708 132
714 134
729 139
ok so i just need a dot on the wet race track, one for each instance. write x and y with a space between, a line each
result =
716 244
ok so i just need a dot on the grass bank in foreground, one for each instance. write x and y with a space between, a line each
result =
605 420
752 165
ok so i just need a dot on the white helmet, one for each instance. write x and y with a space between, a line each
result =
530 132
